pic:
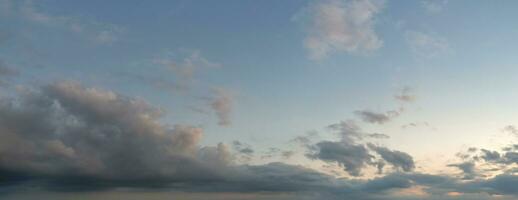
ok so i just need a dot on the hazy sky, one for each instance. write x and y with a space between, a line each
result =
241 99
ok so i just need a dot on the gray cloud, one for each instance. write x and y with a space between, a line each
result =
490 156
398 159
376 117
348 130
378 136
65 129
468 169
353 157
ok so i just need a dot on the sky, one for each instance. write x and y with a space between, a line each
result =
241 99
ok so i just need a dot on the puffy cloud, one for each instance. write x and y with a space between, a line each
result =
65 129
468 168
490 156
353 157
398 159
341 25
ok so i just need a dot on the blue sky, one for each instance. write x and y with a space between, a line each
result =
257 75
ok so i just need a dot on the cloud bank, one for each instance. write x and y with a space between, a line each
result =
68 137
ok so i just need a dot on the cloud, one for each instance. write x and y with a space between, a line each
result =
67 137
222 104
468 168
353 157
7 72
427 45
510 129
65 129
348 130
185 65
341 26
398 159
98 32
434 6
305 139
375 117
490 156
406 95
378 136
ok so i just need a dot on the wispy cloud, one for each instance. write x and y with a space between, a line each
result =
377 117
427 45
222 103
406 95
434 6
341 26
98 32
185 65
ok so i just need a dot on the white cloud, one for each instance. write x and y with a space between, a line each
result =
341 26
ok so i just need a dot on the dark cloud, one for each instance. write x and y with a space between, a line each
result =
398 159
353 157
467 168
490 156
356 157
68 130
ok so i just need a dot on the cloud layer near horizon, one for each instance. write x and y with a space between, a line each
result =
68 137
